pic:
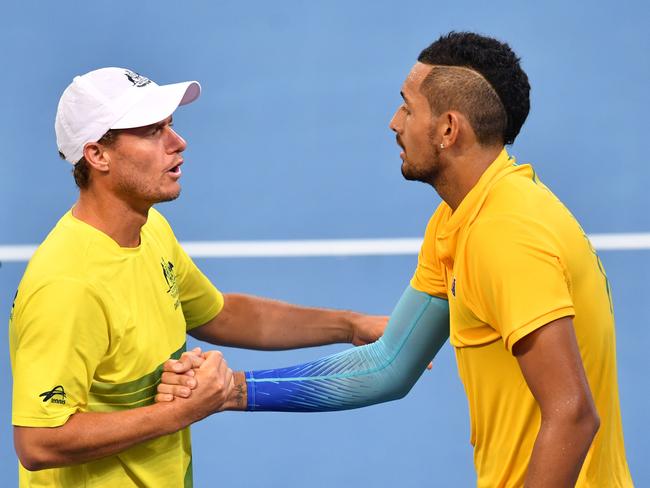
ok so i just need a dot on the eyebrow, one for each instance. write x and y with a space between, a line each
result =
404 96
168 121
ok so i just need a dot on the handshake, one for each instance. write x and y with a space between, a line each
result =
202 384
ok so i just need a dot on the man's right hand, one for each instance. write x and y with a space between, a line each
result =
211 386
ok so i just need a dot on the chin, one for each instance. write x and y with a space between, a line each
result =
412 174
407 172
168 196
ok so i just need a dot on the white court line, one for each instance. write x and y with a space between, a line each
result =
331 247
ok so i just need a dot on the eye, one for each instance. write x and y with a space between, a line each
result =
406 109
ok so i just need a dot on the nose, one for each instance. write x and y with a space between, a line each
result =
395 122
176 143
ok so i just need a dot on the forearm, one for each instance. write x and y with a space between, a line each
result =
560 449
87 436
259 323
383 371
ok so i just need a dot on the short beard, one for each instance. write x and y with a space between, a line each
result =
428 174
132 189
169 198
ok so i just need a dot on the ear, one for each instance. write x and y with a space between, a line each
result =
97 157
449 129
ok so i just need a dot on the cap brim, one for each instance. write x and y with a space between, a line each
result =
159 104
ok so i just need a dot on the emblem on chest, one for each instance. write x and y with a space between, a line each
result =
170 278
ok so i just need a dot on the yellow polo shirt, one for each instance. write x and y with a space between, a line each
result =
511 259
91 325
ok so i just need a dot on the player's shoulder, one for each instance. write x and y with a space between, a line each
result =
62 251
519 188
521 213
59 266
437 219
511 203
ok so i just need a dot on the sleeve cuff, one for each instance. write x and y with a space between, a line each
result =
22 421
211 313
521 332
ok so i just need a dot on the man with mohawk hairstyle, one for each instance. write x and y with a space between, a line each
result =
505 271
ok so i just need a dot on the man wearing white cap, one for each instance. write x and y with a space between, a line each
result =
109 296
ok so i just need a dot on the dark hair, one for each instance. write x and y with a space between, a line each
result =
495 62
81 170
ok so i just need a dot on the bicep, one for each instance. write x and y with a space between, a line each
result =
33 445
228 322
550 362
26 442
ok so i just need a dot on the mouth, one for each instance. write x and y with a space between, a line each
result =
399 143
175 170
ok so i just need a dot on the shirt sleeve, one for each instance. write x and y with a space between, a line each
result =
519 282
429 276
58 337
200 299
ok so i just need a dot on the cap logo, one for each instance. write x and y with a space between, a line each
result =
136 79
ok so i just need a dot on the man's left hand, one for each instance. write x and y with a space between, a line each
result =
178 376
368 328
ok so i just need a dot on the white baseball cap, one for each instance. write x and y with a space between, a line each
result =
113 98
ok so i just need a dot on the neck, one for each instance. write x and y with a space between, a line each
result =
111 215
461 169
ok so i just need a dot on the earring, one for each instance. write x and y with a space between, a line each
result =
442 146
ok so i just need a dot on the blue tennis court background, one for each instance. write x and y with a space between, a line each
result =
289 140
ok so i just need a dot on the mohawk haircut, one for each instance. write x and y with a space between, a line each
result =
497 65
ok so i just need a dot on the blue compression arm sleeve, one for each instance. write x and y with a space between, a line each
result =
379 372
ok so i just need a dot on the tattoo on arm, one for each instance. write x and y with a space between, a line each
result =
239 396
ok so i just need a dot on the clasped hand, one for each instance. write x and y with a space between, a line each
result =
202 378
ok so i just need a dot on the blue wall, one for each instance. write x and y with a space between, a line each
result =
290 141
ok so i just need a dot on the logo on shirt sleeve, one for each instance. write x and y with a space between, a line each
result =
55 395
